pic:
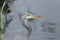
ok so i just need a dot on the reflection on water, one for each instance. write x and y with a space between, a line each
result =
48 26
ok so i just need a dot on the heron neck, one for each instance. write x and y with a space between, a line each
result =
28 27
24 22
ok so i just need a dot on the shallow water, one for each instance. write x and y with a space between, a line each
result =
46 8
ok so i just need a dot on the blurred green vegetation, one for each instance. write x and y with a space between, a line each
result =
6 6
4 10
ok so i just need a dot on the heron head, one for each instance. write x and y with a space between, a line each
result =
30 16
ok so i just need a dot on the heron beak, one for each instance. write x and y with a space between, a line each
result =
37 16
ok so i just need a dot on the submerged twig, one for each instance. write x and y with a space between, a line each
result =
6 22
6 25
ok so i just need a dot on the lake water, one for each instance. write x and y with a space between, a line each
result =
48 9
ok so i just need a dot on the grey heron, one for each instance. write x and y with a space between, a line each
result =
26 18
